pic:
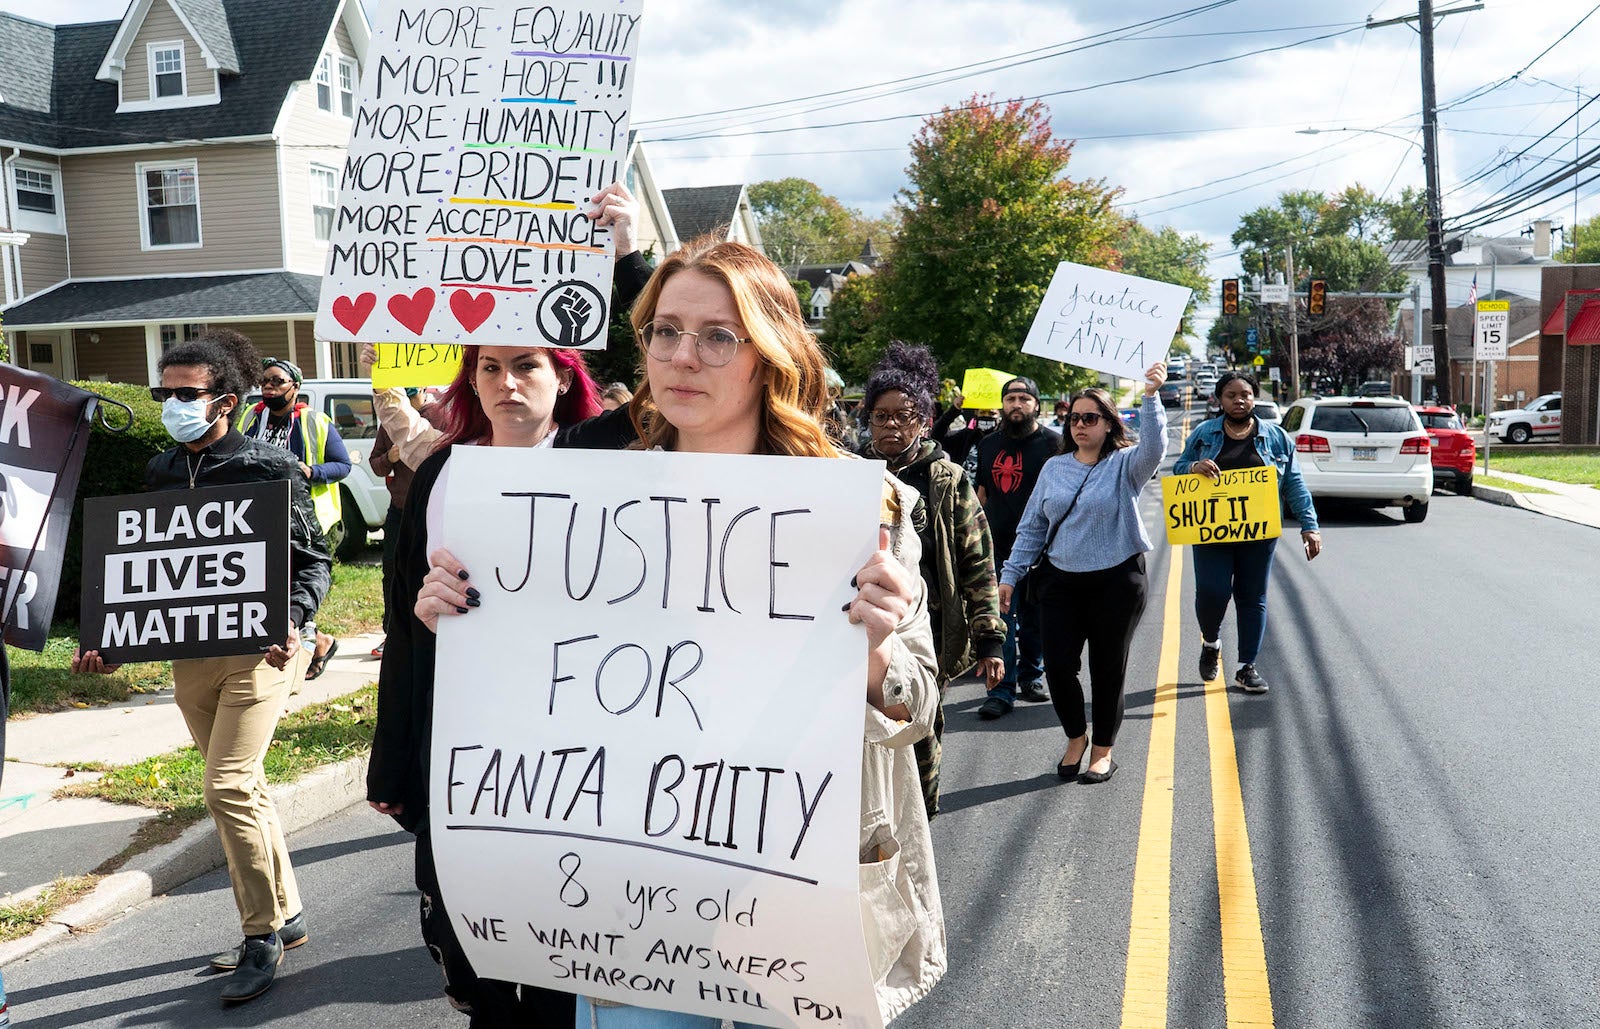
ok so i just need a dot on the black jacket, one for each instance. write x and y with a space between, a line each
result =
234 459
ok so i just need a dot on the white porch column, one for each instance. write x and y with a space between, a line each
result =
152 351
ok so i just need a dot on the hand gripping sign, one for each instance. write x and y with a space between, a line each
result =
1239 506
647 742
479 135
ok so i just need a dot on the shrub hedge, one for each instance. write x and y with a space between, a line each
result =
113 465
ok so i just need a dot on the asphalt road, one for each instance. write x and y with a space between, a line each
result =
1416 793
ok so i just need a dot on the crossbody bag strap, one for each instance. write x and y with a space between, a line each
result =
1050 537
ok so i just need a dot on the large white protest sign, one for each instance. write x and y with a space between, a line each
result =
645 777
1106 321
480 133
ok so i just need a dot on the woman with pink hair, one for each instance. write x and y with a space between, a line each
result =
516 396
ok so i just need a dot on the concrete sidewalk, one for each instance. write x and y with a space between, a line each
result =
43 837
1570 502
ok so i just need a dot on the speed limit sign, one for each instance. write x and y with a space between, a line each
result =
1494 324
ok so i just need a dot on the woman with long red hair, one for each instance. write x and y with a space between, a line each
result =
514 396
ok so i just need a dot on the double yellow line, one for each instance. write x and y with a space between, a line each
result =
1246 990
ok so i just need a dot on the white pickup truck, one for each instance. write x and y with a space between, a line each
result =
1540 419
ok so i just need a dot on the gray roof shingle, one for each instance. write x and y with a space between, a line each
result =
25 73
276 44
210 21
190 299
697 210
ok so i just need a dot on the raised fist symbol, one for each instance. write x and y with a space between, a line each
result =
572 310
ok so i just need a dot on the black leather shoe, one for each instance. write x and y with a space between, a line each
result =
1105 776
993 708
258 966
1035 692
1210 660
292 935
1070 772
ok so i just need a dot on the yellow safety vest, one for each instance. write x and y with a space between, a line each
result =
314 437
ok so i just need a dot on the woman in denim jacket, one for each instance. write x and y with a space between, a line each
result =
1241 570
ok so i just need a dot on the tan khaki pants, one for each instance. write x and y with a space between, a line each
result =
232 706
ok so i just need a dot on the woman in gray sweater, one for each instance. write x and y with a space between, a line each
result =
1083 517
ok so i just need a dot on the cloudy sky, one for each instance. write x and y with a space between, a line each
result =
1193 149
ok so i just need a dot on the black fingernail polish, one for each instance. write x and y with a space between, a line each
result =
461 610
473 593
845 608
474 602
462 573
853 584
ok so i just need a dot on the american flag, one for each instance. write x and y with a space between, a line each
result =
1472 308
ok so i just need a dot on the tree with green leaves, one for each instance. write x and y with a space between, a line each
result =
853 331
1167 255
1583 244
800 224
988 215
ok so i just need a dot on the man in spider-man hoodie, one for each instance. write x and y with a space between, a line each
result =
1009 462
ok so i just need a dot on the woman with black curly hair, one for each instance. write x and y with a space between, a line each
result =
957 553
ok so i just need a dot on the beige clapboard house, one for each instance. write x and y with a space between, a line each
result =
168 171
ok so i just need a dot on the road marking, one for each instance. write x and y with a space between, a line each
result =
1144 997
1245 986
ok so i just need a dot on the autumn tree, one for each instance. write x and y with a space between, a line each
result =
988 215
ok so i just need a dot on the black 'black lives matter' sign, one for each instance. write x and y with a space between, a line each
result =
186 573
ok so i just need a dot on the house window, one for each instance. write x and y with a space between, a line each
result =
166 70
324 195
171 334
325 83
36 190
171 197
347 87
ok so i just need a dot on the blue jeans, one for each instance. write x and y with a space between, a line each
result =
591 1017
1023 652
1239 571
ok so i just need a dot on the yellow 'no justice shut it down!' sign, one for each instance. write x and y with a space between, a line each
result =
1242 505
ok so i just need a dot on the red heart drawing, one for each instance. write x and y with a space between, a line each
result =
352 314
471 311
412 311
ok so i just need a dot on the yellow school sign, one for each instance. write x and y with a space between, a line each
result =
1242 505
416 364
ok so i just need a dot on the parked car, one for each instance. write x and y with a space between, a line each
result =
1370 449
1213 405
1540 419
1375 388
1172 393
363 497
1267 411
1454 453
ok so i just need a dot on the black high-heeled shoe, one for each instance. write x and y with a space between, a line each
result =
1070 772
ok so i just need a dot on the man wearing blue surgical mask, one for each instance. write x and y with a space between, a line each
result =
232 704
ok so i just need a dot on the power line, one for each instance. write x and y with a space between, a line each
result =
1042 96
1175 16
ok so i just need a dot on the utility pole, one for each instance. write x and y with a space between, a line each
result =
1430 158
1294 324
1425 18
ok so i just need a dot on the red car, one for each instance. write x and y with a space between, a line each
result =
1453 451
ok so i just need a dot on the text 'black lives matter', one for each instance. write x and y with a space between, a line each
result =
186 573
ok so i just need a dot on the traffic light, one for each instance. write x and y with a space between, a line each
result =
1230 296
1318 303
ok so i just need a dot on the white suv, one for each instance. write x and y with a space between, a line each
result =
1541 418
1363 448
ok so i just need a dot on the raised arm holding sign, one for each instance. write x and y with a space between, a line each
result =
1106 321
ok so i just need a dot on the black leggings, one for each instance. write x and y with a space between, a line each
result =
1100 608
494 1004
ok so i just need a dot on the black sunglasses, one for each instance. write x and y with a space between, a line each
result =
1089 418
186 394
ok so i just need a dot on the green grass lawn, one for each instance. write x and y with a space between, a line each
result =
306 739
1580 469
42 681
1507 484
